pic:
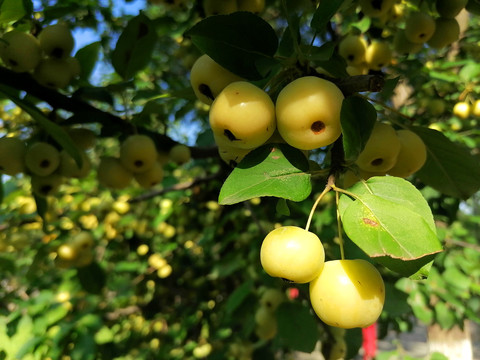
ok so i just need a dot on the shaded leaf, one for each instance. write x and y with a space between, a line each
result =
297 327
270 170
87 57
92 278
323 14
12 10
357 117
134 47
450 168
241 42
238 296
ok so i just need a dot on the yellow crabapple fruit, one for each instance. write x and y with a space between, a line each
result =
476 108
419 27
352 48
351 177
462 109
69 168
450 8
20 51
180 154
354 70
242 115
265 323
46 185
56 41
42 159
292 253
436 107
67 252
151 177
412 155
12 154
376 8
446 32
138 153
112 174
308 113
219 7
53 73
208 79
82 241
378 55
381 150
255 6
348 293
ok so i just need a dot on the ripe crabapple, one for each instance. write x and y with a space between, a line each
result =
56 41
419 27
412 155
308 113
20 51
381 150
352 48
46 185
242 115
53 73
42 159
69 168
348 293
138 153
446 32
151 177
180 154
378 55
462 109
232 155
112 174
208 79
292 253
271 298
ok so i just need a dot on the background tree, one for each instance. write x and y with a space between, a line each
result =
134 208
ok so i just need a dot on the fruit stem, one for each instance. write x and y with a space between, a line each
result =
328 187
339 227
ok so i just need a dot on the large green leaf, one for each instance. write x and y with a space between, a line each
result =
450 168
297 327
358 117
88 57
13 10
391 221
134 47
241 42
271 170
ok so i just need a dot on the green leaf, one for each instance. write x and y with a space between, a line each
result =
87 57
282 207
134 47
54 130
297 327
238 296
469 71
357 117
12 10
323 14
450 168
92 278
2 193
392 222
241 42
270 170
444 315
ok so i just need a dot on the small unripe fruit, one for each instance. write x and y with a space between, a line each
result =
112 174
352 48
208 79
180 154
419 27
42 159
46 185
378 55
272 298
446 32
69 168
450 8
308 113
242 115
20 51
12 154
56 41
293 254
151 177
82 241
403 46
138 153
53 73
412 155
381 150
348 294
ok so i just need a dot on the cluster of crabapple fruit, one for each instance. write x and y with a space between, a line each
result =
139 160
47 56
464 109
343 293
412 29
47 166
243 116
392 152
265 320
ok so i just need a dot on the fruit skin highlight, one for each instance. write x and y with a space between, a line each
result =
348 293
